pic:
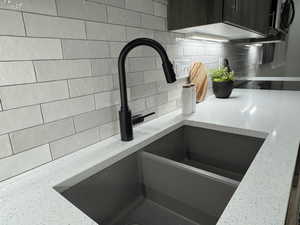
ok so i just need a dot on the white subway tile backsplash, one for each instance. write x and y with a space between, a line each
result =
20 48
107 99
82 9
166 108
21 118
143 51
160 9
161 1
153 22
94 119
162 98
214 50
151 102
11 23
39 135
143 90
31 94
77 49
140 51
162 86
154 75
109 129
145 6
49 26
167 37
105 32
116 48
133 33
132 79
97 1
157 100
174 50
61 69
67 108
73 143
102 67
12 73
141 64
174 94
192 51
118 3
25 161
85 86
36 6
138 105
5 149
123 16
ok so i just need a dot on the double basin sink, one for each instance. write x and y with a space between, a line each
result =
184 178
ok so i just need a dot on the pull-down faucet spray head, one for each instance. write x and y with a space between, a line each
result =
169 71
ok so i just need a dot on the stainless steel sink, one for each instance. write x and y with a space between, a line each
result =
184 178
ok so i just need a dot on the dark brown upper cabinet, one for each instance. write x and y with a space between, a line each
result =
232 19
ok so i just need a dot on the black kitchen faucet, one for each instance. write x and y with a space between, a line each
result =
125 117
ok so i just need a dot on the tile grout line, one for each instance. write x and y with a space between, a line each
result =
56 7
96 21
106 11
1 105
86 58
74 127
69 91
11 145
51 154
95 103
23 20
35 75
85 30
62 49
42 114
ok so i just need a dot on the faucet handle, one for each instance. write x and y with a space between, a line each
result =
139 118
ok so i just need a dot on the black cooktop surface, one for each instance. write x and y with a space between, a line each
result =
268 85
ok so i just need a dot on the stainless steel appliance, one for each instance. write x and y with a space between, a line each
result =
285 15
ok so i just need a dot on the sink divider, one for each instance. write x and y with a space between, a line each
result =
169 182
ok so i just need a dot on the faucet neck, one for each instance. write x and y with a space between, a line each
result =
122 58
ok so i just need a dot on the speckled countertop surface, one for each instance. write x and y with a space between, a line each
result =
261 198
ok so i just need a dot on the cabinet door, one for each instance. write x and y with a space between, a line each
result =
255 15
231 13
190 13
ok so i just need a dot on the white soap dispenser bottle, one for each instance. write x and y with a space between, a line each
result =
188 99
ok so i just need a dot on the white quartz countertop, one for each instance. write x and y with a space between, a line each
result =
261 198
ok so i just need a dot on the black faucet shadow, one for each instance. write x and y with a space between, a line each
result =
125 116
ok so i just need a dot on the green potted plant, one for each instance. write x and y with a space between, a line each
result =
222 82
